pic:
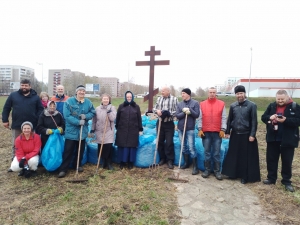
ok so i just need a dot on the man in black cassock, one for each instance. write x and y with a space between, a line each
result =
242 159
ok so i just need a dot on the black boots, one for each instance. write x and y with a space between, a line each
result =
195 167
130 165
206 173
217 171
122 164
109 165
186 162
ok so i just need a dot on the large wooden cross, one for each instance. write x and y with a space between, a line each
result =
152 53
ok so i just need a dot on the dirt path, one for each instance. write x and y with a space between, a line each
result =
209 201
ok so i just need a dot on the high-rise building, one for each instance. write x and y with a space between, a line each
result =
69 79
110 85
13 73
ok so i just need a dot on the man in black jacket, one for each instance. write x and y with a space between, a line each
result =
26 106
242 159
282 119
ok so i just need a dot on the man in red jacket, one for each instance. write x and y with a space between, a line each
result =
212 126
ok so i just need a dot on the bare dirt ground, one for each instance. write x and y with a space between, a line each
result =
129 197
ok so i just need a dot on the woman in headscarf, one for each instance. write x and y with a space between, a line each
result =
129 126
50 119
104 121
28 146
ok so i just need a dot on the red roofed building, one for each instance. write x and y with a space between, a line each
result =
267 87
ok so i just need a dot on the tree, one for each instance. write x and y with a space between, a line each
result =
292 86
172 90
200 92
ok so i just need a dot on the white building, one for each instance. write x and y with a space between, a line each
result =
13 73
267 87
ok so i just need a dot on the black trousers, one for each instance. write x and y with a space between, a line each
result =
71 148
106 153
166 150
274 150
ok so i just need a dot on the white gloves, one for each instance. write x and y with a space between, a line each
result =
186 111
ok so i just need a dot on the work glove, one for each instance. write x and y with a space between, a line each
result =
60 130
91 134
165 114
49 131
82 116
140 133
22 162
222 134
149 111
81 122
201 134
185 109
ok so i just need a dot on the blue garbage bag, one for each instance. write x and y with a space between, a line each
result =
145 153
52 154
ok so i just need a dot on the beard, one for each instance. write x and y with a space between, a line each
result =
25 91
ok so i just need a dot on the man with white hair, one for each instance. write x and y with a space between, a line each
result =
60 98
165 108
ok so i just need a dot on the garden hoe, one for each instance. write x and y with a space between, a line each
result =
155 166
176 173
102 142
77 180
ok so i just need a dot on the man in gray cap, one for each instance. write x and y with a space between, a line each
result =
242 159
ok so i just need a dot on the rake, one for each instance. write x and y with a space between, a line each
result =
155 166
103 137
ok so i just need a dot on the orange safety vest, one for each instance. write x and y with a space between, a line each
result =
212 114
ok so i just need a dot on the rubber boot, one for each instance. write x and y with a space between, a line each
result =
186 162
109 165
103 163
206 173
217 171
195 166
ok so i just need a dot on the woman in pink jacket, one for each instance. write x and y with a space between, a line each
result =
28 146
106 111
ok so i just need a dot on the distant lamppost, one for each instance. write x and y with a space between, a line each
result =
250 74
41 64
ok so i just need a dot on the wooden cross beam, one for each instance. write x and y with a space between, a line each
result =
152 53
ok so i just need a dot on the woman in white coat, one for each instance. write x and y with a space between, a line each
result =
106 111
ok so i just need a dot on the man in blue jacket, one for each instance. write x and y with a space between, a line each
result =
78 110
188 109
26 106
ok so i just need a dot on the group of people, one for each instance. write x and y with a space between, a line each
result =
34 118
282 119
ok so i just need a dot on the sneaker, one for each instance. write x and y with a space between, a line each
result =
21 173
61 174
9 170
80 169
289 188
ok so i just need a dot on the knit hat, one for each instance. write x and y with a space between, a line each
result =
51 102
239 88
80 87
27 123
187 90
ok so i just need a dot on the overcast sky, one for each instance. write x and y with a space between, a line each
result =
205 41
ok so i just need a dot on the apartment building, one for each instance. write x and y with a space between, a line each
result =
13 73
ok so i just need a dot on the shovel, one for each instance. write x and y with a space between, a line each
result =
177 173
77 180
103 137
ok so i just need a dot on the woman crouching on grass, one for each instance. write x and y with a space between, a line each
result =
28 146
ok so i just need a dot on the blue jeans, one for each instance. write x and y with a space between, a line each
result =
212 145
189 142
